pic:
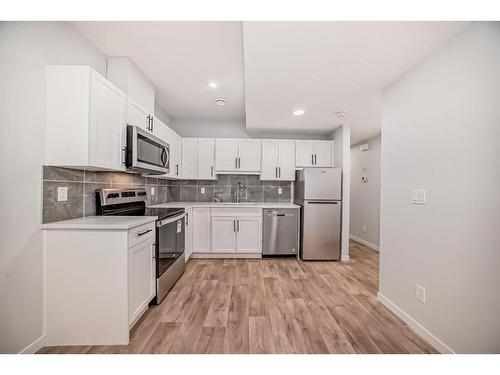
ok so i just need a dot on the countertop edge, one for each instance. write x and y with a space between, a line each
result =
71 224
216 205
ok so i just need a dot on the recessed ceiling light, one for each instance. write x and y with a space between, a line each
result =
298 112
220 102
341 113
212 84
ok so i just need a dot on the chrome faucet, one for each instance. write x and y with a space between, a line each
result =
217 200
239 189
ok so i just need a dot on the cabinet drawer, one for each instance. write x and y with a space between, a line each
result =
237 211
141 233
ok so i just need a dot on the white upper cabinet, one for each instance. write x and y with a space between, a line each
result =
206 161
313 153
175 142
249 155
85 116
278 160
137 115
131 80
190 158
237 155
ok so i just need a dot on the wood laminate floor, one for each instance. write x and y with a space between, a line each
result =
271 306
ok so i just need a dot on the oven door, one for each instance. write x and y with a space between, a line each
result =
169 242
146 153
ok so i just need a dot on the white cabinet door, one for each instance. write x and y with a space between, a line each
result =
249 155
201 230
304 153
286 157
323 153
107 124
226 153
188 233
141 277
190 158
223 234
176 156
137 116
206 162
249 234
269 167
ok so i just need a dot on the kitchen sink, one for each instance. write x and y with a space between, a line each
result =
239 204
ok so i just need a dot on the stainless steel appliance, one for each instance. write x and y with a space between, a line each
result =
280 232
319 193
170 238
146 153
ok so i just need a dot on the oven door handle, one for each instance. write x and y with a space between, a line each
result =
169 220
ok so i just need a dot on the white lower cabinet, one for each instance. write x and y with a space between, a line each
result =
201 230
141 278
236 231
249 235
189 234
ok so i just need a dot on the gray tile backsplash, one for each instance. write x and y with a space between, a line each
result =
82 185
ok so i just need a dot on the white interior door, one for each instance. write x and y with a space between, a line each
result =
269 165
323 151
249 235
304 153
286 159
249 155
190 158
226 152
107 110
206 167
223 234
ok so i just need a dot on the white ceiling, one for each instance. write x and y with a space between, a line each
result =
320 67
323 67
180 58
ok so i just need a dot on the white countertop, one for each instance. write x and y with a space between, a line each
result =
101 222
228 205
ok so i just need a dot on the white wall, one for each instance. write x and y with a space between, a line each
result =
342 159
25 49
441 131
365 196
210 128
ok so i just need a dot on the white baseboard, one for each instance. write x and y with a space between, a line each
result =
415 326
34 346
344 257
366 243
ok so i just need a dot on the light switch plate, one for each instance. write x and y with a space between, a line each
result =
152 191
418 196
62 193
280 191
202 190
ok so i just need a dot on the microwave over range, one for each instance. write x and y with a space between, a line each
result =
146 153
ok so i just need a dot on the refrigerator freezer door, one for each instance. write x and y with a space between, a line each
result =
322 184
320 230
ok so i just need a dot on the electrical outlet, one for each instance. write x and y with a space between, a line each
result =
420 293
202 190
280 191
364 228
62 193
418 196
152 191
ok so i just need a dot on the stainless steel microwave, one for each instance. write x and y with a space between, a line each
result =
146 153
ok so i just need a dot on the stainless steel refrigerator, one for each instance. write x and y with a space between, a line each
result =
319 193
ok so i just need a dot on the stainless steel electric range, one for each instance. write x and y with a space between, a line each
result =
170 232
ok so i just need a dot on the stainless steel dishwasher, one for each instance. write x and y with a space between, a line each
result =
280 231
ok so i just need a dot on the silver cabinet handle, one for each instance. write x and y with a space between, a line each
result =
187 218
279 172
212 171
124 150
236 163
143 233
234 225
315 159
312 159
237 225
276 171
177 169
148 123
